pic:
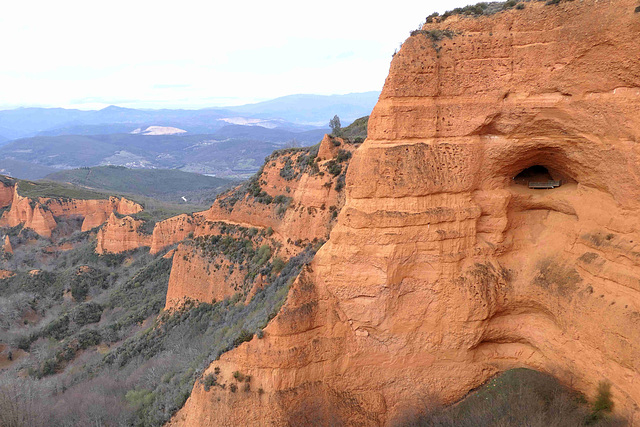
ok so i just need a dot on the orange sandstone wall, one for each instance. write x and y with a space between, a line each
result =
121 234
173 230
314 198
218 263
440 271
6 191
306 218
38 214
95 212
197 278
29 213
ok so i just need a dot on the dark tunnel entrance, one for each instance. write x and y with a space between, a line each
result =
537 177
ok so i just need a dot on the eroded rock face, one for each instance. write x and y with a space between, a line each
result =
202 272
94 212
121 235
39 214
30 213
6 247
173 230
292 203
442 270
6 191
302 203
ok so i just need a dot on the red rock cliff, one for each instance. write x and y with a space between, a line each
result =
121 235
94 212
442 270
6 190
298 204
173 230
30 213
38 214
294 200
303 198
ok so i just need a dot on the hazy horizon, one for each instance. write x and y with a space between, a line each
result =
93 108
154 55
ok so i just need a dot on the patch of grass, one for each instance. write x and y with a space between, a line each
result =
56 190
603 404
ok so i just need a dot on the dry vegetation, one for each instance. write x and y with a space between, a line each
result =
521 397
90 344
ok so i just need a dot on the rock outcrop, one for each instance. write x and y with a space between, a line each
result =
39 214
173 230
7 186
290 204
29 213
6 247
94 211
442 270
328 149
297 194
121 234
211 269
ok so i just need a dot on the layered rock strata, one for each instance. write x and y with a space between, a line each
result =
442 270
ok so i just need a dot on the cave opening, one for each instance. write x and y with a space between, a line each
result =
538 177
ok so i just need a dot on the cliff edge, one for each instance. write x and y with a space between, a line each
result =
444 266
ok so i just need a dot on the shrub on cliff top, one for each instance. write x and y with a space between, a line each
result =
343 156
243 337
471 10
356 131
334 168
478 9
435 35
287 171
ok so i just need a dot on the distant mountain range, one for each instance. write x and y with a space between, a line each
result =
294 112
226 142
313 109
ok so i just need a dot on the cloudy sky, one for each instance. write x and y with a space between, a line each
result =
194 54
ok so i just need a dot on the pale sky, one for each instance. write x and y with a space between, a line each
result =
194 54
